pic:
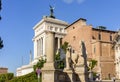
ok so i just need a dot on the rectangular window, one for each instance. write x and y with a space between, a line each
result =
110 37
99 36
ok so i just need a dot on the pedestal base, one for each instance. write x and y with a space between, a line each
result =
70 75
49 76
49 73
81 73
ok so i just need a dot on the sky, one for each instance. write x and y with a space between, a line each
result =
20 16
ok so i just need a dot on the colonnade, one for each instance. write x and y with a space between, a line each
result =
41 46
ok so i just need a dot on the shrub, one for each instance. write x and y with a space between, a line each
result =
6 77
31 77
39 64
61 62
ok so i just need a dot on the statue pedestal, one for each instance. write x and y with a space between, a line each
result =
82 75
70 75
49 73
80 68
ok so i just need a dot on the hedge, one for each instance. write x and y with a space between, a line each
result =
31 77
6 77
9 77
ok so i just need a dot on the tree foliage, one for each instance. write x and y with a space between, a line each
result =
61 63
64 46
31 77
39 64
1 43
0 7
92 64
6 77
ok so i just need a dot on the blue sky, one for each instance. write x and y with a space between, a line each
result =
19 17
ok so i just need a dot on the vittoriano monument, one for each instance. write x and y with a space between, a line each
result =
46 31
76 62
49 33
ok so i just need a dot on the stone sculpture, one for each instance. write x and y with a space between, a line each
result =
52 12
68 57
81 54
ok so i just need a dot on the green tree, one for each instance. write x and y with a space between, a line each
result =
61 63
64 46
39 64
0 7
1 43
92 64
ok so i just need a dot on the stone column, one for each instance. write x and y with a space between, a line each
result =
35 49
38 48
49 71
50 47
41 47
44 51
58 43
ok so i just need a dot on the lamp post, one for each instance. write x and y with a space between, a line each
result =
38 71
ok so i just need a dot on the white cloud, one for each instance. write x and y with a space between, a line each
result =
68 1
80 1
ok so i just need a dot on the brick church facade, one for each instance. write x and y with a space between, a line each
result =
98 42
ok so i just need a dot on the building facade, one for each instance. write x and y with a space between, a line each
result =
98 42
41 30
3 70
117 54
47 24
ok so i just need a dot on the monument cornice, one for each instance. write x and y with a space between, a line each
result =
50 20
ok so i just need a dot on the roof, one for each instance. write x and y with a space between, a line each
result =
52 20
104 30
76 21
92 28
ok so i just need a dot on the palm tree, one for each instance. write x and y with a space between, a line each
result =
1 43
